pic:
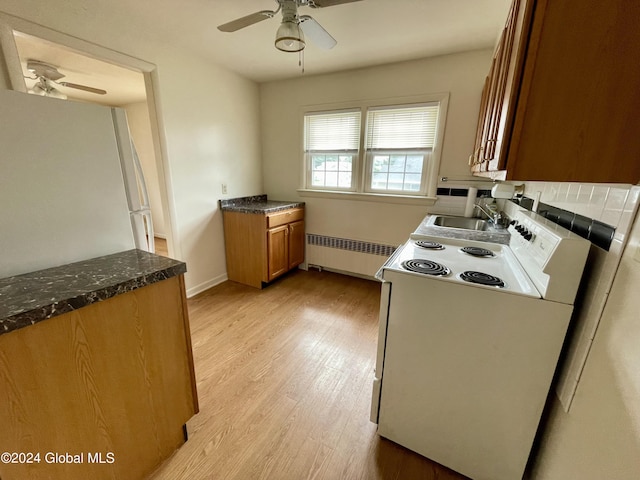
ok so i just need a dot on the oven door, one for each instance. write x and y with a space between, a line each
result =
385 297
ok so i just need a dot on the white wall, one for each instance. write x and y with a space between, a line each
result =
462 75
210 117
600 436
140 128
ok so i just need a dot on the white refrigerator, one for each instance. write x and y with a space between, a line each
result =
71 186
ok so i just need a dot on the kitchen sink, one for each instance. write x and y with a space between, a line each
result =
460 222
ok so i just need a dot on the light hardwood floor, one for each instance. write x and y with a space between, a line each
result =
161 246
284 380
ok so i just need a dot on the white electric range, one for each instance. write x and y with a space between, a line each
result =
470 335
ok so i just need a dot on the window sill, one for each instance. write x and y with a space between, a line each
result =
369 197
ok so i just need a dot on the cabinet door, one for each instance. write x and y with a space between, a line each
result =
278 251
514 39
296 244
475 160
500 93
580 98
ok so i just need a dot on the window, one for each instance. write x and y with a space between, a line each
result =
332 142
396 153
399 143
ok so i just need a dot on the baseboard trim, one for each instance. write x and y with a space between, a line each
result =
193 291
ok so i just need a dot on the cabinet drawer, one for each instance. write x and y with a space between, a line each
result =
286 216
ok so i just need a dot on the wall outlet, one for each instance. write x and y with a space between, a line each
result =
224 188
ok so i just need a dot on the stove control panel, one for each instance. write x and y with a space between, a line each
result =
532 239
522 230
552 256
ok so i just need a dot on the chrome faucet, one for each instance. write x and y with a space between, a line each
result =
494 217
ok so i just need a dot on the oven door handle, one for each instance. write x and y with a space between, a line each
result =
389 261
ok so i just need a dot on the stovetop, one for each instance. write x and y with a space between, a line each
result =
442 259
542 259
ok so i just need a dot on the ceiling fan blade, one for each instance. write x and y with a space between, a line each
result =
316 32
328 3
245 21
99 91
41 69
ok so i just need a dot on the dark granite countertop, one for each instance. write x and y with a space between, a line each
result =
257 204
32 297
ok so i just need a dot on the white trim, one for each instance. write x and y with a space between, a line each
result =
193 291
87 48
369 197
11 59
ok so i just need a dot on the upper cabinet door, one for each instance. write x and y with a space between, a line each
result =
499 96
562 95
577 118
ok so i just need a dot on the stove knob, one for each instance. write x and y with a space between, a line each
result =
519 228
528 236
513 222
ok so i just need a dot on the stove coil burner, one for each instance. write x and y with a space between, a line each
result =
427 267
430 245
482 279
478 252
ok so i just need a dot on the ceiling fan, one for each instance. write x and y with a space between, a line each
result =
47 77
293 28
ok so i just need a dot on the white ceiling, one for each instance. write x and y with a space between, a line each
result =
369 32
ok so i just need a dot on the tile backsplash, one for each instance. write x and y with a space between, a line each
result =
599 201
601 213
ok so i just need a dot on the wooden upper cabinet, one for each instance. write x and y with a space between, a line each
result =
571 95
499 94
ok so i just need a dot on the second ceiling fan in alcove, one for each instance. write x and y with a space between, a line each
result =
48 77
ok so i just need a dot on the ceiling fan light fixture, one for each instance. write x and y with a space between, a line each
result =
289 37
43 88
38 90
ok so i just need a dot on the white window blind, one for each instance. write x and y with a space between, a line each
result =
332 132
332 142
402 128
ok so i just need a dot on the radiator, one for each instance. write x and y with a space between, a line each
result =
346 255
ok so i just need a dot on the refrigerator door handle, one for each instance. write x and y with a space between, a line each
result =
135 185
140 177
143 229
150 233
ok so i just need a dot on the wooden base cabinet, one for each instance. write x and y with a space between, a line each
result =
100 392
261 247
568 112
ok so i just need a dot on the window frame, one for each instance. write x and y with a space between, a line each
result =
308 156
363 165
368 174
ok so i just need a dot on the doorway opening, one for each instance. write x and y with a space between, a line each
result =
85 71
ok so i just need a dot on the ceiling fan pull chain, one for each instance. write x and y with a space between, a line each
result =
301 60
